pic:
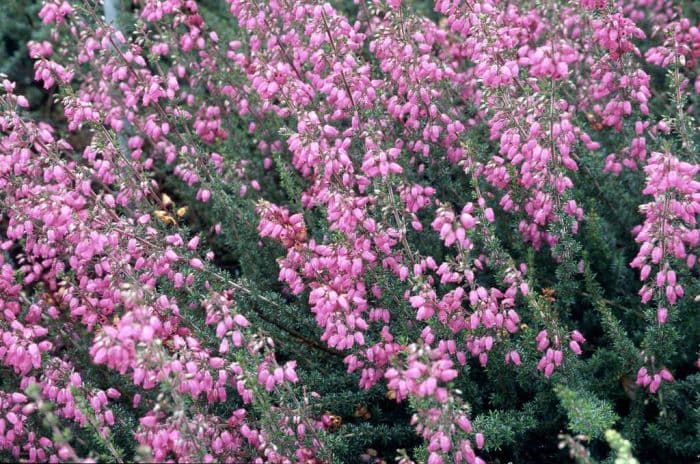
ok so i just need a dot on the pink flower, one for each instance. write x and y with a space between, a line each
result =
479 437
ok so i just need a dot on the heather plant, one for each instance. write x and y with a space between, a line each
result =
295 231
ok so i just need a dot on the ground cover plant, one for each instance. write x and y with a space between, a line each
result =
381 231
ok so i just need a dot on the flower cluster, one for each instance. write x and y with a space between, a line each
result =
669 231
421 171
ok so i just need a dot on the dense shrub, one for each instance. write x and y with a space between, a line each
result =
292 231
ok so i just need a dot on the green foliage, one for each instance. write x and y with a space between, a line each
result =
621 447
587 414
504 428
18 24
